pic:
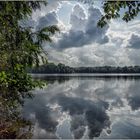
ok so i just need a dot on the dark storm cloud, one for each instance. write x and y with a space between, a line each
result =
134 42
83 31
47 20
43 21
85 113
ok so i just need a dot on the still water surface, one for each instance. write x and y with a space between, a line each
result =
86 107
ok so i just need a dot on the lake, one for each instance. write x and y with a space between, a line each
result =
86 106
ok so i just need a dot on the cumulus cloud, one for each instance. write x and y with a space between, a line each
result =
79 11
50 18
43 17
77 18
133 56
52 6
111 45
134 42
47 20
91 55
83 30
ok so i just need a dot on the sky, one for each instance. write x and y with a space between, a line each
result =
80 42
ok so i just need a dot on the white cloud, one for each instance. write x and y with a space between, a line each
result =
82 43
47 20
83 31
134 42
52 6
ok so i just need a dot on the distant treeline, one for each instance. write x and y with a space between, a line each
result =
61 68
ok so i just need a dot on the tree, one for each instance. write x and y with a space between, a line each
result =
112 10
20 48
12 124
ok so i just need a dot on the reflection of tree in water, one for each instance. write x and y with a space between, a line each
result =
85 113
63 79
53 79
12 124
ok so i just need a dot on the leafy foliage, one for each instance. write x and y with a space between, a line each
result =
12 124
20 48
112 10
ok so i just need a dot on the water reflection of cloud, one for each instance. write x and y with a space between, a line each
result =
124 129
133 95
91 105
44 119
84 113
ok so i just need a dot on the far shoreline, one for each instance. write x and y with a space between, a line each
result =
85 74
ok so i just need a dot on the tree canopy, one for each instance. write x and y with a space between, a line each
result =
20 47
112 10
